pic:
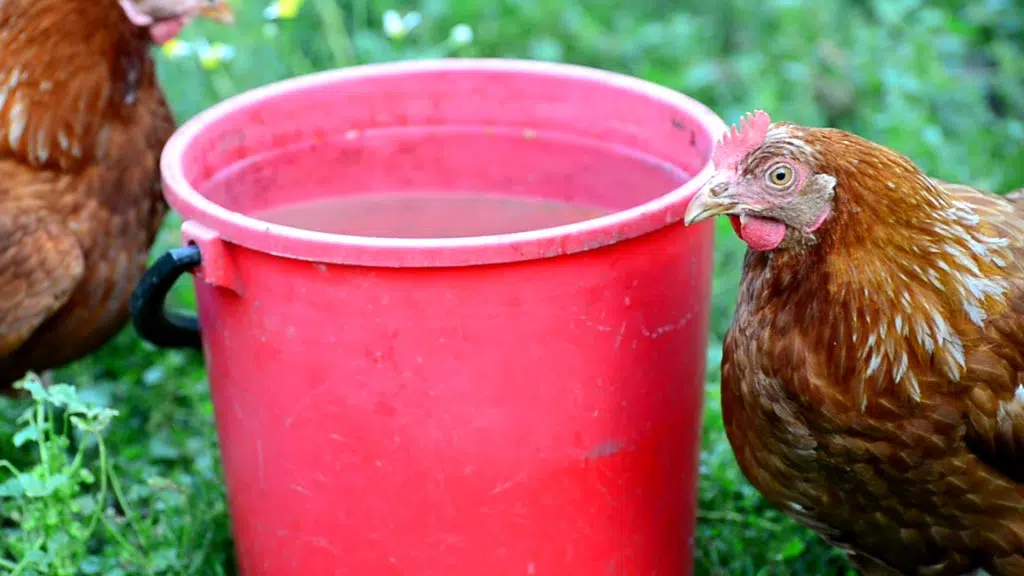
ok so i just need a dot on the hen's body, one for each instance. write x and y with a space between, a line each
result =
873 377
899 483
82 125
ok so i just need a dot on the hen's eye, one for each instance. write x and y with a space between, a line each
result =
780 176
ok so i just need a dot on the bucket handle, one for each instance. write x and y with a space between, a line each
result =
151 320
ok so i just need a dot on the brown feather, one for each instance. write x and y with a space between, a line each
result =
82 125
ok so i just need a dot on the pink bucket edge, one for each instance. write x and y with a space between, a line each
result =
300 244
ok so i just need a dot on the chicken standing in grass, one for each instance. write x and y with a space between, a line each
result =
82 126
873 376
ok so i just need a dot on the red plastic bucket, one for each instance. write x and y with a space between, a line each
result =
520 403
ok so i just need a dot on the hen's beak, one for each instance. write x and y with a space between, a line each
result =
711 201
219 11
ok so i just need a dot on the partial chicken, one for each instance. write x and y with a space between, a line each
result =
873 375
82 125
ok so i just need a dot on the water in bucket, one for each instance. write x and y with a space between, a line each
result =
429 214
386 184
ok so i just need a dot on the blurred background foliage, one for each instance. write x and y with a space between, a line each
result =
941 81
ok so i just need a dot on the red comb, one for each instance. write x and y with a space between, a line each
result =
738 142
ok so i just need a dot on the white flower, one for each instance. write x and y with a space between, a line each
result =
393 24
412 20
397 26
213 55
461 34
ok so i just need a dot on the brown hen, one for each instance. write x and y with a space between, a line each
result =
82 125
873 376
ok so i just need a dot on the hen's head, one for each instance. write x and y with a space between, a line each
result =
164 19
766 182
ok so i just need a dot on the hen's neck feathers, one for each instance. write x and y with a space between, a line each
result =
70 70
901 276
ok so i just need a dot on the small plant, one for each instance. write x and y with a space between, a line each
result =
65 512
60 502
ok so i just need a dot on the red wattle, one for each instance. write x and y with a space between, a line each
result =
165 30
761 234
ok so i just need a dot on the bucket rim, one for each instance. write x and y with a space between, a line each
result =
322 247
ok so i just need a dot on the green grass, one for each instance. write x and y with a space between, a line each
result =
139 491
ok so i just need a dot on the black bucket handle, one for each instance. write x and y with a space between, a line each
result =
151 320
